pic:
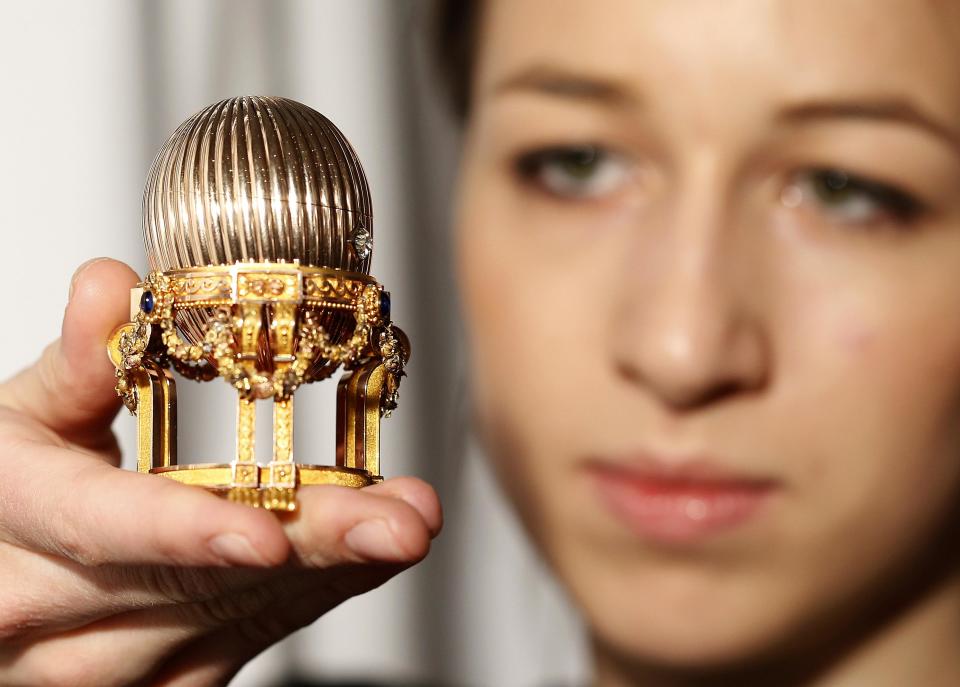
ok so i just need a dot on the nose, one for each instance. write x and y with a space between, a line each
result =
688 330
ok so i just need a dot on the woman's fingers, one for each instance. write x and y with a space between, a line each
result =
71 595
334 564
324 535
215 657
336 525
96 514
416 493
126 649
70 388
58 501
208 640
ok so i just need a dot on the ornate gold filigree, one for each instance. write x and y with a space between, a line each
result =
395 352
292 301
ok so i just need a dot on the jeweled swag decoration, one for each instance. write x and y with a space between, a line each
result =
258 228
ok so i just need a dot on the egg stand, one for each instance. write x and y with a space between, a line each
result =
243 298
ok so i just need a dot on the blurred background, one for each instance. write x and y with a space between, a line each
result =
91 90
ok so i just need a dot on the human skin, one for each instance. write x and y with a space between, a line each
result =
693 292
109 577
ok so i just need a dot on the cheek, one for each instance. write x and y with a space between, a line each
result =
532 297
895 366
528 338
878 407
853 337
904 387
867 340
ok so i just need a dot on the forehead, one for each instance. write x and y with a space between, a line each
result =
780 48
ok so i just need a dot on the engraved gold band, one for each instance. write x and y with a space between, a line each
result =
262 283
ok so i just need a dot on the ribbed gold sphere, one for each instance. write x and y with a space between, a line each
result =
257 179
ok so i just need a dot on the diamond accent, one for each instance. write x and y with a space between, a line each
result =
362 242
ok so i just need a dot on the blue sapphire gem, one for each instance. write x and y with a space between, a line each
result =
147 302
385 305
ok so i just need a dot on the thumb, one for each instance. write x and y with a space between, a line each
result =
70 388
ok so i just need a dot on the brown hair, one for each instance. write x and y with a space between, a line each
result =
454 38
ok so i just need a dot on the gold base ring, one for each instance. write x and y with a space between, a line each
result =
218 476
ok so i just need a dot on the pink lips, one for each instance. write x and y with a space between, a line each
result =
675 503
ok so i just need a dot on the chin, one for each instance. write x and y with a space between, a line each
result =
685 621
682 645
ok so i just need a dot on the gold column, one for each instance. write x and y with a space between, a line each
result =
156 417
245 472
280 492
369 395
359 396
156 404
347 420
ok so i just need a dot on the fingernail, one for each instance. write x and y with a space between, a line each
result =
235 549
79 271
373 540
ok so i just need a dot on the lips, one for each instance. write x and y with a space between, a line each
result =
678 502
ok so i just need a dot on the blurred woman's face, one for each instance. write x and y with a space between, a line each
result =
710 260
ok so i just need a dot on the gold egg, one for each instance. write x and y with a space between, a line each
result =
257 179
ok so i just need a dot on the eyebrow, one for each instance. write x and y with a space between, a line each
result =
891 110
572 85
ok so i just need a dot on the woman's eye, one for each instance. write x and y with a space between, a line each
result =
850 199
575 172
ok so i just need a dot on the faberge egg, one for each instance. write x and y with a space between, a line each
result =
258 179
257 223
